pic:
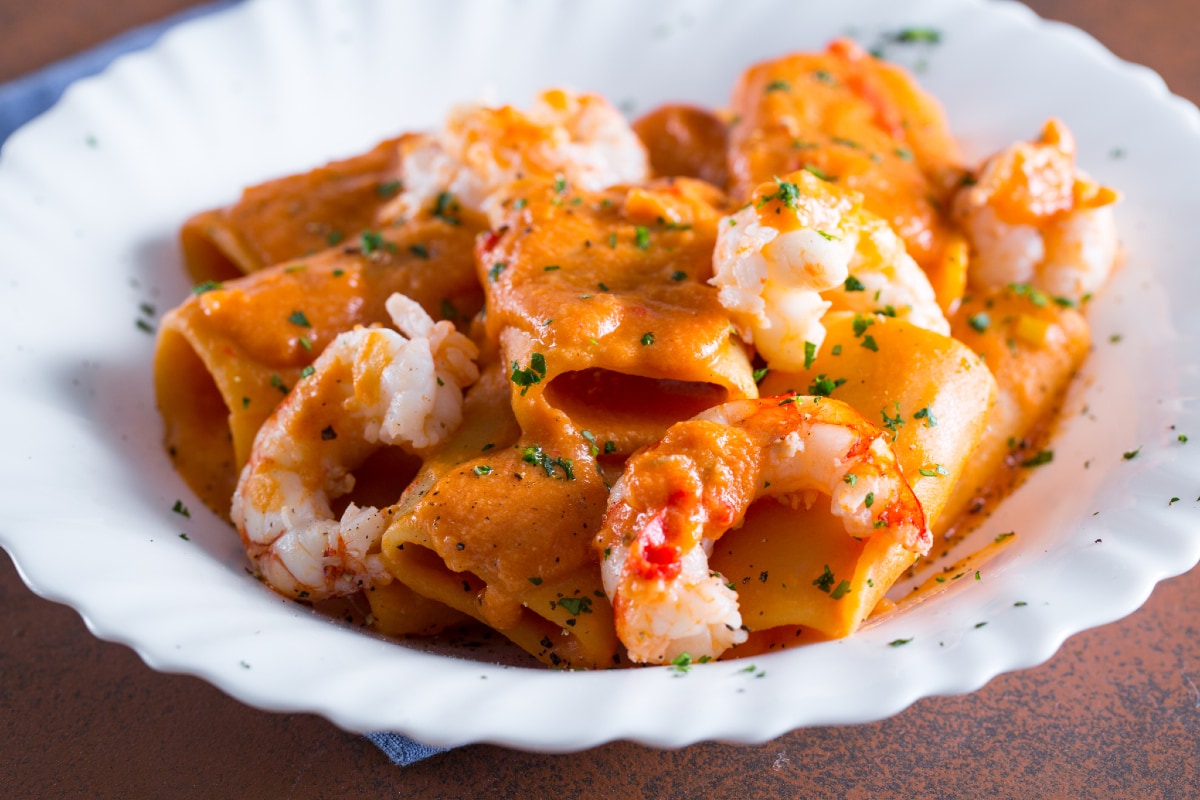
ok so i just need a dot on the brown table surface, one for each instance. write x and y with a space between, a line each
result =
1116 713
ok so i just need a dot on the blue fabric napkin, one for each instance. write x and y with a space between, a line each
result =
28 96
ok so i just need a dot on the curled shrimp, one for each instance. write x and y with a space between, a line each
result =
369 388
577 138
1032 217
679 496
802 246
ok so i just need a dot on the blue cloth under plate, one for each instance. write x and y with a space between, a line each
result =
28 96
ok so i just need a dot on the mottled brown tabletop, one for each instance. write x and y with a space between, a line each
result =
1115 713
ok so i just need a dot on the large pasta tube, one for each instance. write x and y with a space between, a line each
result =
292 217
600 305
231 351
851 118
797 567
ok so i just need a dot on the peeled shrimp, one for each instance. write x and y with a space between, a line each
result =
369 388
802 246
580 139
1032 217
678 497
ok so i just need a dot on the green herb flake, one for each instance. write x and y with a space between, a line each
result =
298 318
823 386
305 342
180 509
642 237
861 324
591 440
914 35
482 469
1039 458
388 189
853 284
869 343
576 605
843 588
679 275
445 207
825 580
760 373
278 383
532 374
778 85
551 268
899 642
979 321
786 193
534 454
448 310
308 370
610 447
647 339
1129 455
926 414
496 269
825 176
207 286
810 354
419 250
1182 438
1000 537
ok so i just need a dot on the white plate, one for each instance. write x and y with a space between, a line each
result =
91 196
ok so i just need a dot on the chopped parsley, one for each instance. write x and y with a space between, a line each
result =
482 469
1129 455
936 471
869 343
1039 458
298 318
786 193
642 237
647 339
207 286
778 85
419 250
496 269
760 373
388 189
180 509
576 605
825 176
825 580
445 207
899 642
531 375
926 414
810 354
534 454
853 284
843 588
823 386
979 321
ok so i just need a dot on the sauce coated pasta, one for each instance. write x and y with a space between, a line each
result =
694 387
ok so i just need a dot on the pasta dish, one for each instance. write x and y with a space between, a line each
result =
698 386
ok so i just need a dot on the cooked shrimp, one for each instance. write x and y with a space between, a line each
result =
678 497
800 247
1033 217
369 388
577 138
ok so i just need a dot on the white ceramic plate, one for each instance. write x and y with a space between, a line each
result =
91 196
